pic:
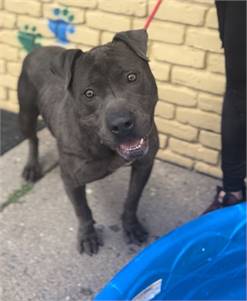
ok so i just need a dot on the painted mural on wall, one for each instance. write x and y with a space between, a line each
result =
61 27
29 38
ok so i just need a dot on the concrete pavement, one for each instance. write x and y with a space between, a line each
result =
38 256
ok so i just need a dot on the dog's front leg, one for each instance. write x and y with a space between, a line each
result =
88 240
134 231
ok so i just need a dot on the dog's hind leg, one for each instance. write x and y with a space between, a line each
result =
28 115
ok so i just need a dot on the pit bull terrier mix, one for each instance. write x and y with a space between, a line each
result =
99 105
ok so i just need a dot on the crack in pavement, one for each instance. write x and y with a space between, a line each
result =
15 196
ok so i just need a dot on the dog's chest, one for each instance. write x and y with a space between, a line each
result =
117 162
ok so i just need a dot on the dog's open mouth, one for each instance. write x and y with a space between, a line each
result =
133 149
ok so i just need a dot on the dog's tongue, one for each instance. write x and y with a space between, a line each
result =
133 148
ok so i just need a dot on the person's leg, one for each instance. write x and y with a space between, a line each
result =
232 28
220 9
234 106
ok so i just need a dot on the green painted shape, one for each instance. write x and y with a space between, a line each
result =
28 38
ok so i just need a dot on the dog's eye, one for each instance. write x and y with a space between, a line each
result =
131 77
89 93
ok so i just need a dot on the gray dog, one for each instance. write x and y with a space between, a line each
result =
99 105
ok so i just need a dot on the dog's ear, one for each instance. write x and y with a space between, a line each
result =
63 64
136 40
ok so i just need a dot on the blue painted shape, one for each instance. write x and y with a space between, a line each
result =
61 28
204 259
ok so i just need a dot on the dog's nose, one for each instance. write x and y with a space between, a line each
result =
120 124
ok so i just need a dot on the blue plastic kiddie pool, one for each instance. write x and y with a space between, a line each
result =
204 259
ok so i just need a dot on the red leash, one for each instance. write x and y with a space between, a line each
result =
153 13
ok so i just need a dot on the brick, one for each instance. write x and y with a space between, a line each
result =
165 110
172 54
198 79
27 7
8 52
106 37
22 54
78 14
210 140
126 7
210 103
14 68
161 71
174 158
40 24
7 20
177 95
199 119
67 46
2 66
106 21
9 37
79 3
83 47
208 2
208 169
13 96
216 63
162 31
163 140
194 151
180 11
3 93
204 38
211 18
176 129
51 42
167 32
3 102
86 35
10 106
8 81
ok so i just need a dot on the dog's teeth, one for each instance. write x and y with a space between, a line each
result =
132 146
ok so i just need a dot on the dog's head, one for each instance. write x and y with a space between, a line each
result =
113 91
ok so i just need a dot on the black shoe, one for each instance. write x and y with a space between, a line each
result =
228 200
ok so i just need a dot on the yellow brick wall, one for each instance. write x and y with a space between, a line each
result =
185 56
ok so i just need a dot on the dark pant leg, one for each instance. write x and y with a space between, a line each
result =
232 25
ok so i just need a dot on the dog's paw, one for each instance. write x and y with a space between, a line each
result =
88 241
135 233
32 172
